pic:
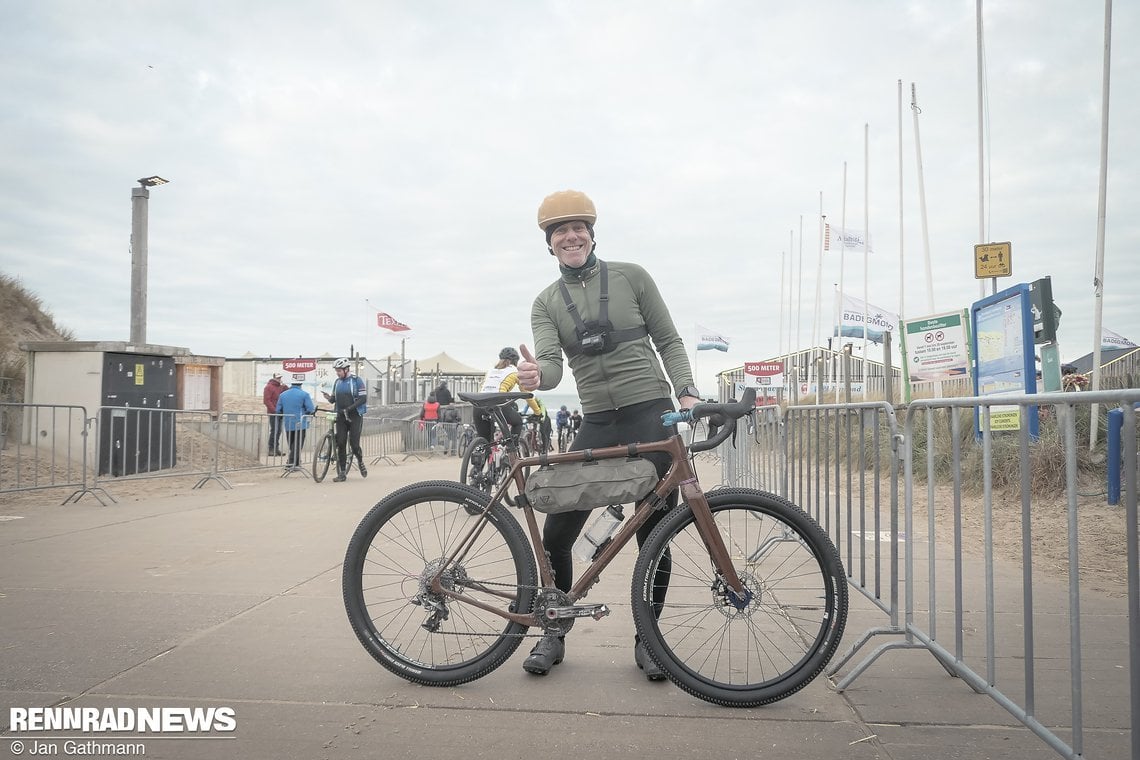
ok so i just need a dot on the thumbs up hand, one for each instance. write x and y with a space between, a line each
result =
530 376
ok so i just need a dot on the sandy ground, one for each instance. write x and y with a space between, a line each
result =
1101 530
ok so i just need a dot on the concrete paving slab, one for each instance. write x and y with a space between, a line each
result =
232 597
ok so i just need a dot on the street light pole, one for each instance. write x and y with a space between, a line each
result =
139 197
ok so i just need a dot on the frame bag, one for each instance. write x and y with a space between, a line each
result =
571 486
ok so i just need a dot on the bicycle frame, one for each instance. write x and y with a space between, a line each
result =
680 476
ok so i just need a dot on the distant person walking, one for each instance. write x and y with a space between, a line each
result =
296 408
269 395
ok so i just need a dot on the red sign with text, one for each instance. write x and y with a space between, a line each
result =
299 365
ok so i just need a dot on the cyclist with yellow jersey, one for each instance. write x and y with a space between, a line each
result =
503 378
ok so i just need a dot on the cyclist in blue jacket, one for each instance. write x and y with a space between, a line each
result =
350 401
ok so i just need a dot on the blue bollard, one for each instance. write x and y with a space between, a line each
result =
1115 426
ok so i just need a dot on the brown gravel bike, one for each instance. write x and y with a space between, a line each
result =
756 603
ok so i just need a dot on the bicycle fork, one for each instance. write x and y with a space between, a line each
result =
737 594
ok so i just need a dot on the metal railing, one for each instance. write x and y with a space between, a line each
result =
56 446
985 609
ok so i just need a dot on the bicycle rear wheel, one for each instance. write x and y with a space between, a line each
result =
322 457
399 546
751 651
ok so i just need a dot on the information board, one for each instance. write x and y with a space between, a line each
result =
1002 338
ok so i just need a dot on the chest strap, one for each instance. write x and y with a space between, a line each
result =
616 336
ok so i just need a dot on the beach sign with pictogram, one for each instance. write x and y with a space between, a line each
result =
936 347
993 260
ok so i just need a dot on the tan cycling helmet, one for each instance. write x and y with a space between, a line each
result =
565 206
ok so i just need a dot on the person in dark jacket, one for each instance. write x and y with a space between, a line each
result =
269 395
443 395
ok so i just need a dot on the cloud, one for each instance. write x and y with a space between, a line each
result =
324 155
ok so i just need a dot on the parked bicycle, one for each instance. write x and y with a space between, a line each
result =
486 464
756 606
325 453
536 440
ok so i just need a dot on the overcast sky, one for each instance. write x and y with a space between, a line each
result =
321 155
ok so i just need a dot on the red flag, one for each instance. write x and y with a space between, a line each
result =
389 322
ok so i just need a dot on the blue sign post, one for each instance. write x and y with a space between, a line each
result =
1002 339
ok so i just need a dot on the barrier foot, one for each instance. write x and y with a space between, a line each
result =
94 491
290 469
384 458
411 454
870 659
838 665
221 479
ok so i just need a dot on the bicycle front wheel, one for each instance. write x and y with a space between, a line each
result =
400 546
322 457
741 651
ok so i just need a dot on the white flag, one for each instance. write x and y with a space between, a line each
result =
879 320
711 339
1109 339
851 240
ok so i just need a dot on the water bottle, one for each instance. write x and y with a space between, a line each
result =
597 534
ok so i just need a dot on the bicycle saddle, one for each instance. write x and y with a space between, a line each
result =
487 400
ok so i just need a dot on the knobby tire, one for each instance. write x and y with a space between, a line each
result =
727 651
391 557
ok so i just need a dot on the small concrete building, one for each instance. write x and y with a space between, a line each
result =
122 386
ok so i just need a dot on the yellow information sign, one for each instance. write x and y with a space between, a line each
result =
992 260
139 374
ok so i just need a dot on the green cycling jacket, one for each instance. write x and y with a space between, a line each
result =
631 372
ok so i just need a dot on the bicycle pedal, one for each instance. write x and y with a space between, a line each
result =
596 611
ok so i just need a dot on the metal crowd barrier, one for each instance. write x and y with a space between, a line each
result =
46 446
1031 649
841 466
424 439
52 446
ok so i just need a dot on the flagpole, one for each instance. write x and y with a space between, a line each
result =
800 288
922 199
842 257
981 145
866 238
816 309
783 263
902 258
1098 275
791 274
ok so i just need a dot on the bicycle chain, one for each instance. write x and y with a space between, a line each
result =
542 600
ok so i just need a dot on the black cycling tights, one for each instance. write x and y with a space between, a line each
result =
637 423
486 428
348 432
